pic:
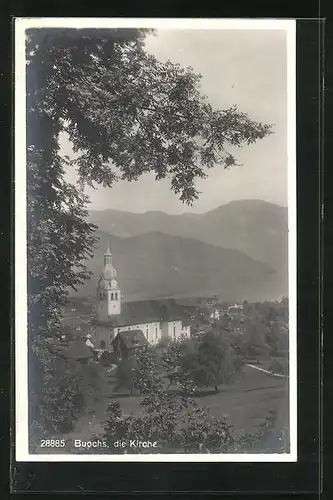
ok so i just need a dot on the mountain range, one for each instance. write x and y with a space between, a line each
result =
237 251
255 227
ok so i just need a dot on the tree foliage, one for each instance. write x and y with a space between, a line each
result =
206 361
174 420
62 389
182 426
280 365
255 337
125 114
214 361
125 372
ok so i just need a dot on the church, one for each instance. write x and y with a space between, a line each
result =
156 319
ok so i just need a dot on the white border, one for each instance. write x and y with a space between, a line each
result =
21 388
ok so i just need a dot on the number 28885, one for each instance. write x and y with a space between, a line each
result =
52 443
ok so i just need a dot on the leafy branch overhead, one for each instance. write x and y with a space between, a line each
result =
126 112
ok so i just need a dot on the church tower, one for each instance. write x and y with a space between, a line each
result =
108 292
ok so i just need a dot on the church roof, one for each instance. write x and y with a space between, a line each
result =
108 273
148 311
131 338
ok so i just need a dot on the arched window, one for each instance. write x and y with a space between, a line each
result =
112 296
116 296
102 344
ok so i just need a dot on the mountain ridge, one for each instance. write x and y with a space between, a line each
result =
255 227
237 251
157 265
232 202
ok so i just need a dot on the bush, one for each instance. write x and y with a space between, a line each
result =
258 351
212 361
60 390
279 353
125 372
178 425
279 365
60 400
90 386
109 358
164 342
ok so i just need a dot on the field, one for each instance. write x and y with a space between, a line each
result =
247 402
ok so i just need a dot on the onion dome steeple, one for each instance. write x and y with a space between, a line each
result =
108 277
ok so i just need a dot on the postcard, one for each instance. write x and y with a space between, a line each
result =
155 240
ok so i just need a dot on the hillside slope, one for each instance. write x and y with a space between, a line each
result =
155 265
255 227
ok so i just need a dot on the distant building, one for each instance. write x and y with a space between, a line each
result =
156 319
215 315
235 308
208 302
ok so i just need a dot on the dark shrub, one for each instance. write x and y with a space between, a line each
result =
67 388
125 372
279 365
109 358
278 353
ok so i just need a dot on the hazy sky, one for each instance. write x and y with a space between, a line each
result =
243 67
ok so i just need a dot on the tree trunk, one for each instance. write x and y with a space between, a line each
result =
216 388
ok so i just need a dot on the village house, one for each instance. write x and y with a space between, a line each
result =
215 315
156 319
127 343
235 308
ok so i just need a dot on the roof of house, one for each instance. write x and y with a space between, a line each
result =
149 311
77 350
131 338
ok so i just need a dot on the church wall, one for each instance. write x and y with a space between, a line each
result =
174 329
152 331
102 310
102 333
164 330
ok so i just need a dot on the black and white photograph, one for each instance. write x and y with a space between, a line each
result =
155 240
